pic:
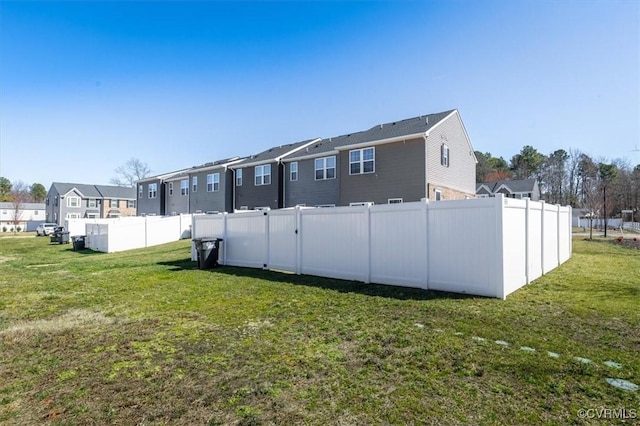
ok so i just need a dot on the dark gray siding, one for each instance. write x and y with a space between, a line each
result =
52 211
148 205
399 173
204 201
178 203
254 196
306 190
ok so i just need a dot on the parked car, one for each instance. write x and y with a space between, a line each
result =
46 229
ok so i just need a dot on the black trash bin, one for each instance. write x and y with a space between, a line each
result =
78 242
60 236
208 250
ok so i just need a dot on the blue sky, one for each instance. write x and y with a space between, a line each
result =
84 86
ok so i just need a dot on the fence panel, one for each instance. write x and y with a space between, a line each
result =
335 242
162 229
564 228
245 243
463 246
514 234
283 237
550 238
534 241
398 244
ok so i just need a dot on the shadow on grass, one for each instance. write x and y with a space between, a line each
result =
87 252
342 286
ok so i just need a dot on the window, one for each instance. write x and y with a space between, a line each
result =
438 194
395 200
444 155
91 202
325 205
114 203
263 175
153 190
73 201
73 215
47 200
325 168
362 203
213 182
56 203
131 204
239 177
94 215
361 161
170 188
184 187
294 171
194 184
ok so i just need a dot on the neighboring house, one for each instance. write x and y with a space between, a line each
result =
422 157
152 194
74 200
522 188
259 179
27 217
117 201
211 187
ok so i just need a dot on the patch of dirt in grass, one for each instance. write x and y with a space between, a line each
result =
4 259
630 243
74 318
40 265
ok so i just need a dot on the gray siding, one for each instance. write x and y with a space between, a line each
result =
148 205
461 173
52 212
176 202
399 173
220 200
306 190
254 196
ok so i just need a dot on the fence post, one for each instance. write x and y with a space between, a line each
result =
367 213
542 205
265 262
298 240
225 240
425 215
499 206
527 212
558 235
570 233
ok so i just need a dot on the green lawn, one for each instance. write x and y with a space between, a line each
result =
143 337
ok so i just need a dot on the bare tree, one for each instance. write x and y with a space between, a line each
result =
131 172
19 196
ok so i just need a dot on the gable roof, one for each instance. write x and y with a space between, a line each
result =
219 164
117 192
395 129
519 185
274 154
87 191
161 177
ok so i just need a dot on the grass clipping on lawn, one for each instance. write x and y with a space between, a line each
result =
144 337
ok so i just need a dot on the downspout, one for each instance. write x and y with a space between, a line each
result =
284 184
233 190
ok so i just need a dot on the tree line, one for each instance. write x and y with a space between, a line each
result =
604 188
20 192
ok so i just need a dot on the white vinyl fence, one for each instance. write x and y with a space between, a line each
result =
488 247
126 233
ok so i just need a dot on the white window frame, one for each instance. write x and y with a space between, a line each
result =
194 184
437 195
170 189
325 205
293 171
262 175
92 202
239 177
114 203
76 200
131 204
444 155
72 216
153 190
321 165
93 215
213 182
184 187
140 191
395 201
361 203
360 162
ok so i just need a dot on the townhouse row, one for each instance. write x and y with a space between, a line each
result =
429 156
